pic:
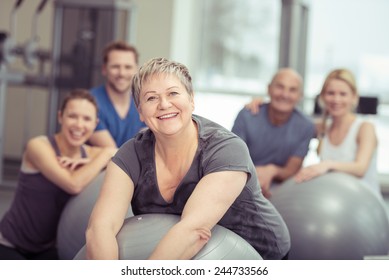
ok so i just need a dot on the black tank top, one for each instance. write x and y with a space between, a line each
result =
31 222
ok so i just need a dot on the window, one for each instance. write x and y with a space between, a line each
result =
351 34
238 45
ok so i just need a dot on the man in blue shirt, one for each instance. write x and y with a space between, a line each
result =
118 117
278 135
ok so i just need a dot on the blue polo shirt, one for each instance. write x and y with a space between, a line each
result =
120 129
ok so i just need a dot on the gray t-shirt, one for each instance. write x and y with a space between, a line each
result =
251 216
274 144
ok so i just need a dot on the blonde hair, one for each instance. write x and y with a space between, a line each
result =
341 74
157 66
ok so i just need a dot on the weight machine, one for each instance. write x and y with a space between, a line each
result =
81 29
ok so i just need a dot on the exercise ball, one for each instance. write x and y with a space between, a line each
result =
334 216
75 217
140 234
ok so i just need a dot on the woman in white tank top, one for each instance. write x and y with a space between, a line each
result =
348 143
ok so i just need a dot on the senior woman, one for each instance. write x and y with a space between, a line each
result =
186 165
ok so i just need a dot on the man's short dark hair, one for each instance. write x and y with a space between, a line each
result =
119 46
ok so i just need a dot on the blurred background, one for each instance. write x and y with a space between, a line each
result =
231 47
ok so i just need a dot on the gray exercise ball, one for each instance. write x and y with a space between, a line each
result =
75 217
140 234
332 217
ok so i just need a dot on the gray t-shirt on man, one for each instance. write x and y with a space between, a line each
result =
270 144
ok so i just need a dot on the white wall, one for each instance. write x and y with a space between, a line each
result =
154 28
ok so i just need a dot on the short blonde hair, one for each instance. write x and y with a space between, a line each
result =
157 66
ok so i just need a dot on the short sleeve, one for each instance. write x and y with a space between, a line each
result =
226 154
306 135
101 125
239 127
127 159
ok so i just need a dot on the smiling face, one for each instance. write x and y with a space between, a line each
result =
119 69
338 97
78 120
285 91
165 105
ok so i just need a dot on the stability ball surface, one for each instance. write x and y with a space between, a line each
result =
332 217
75 217
140 235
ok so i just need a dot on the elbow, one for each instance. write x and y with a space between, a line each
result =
89 232
74 188
89 240
361 171
75 191
360 174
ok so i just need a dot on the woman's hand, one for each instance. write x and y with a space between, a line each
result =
312 171
254 104
72 163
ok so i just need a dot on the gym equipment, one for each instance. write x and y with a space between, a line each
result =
332 217
30 53
140 234
74 219
81 29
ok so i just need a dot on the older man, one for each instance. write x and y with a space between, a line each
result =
278 135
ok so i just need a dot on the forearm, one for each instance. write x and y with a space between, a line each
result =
283 174
83 176
109 214
101 245
102 138
292 166
275 172
181 243
352 168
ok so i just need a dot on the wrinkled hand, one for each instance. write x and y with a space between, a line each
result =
253 106
310 172
71 163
